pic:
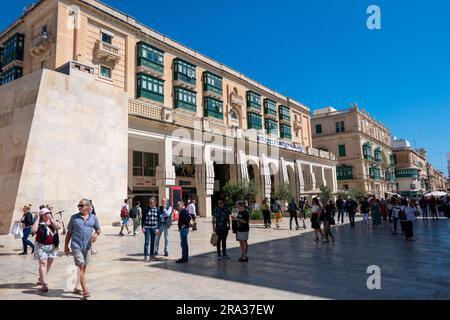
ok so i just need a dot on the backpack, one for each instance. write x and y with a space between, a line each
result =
124 212
133 213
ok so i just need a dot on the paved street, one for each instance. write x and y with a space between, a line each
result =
283 264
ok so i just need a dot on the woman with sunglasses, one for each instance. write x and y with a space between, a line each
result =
46 230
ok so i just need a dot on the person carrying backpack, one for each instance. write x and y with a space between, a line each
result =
136 216
125 216
47 241
276 209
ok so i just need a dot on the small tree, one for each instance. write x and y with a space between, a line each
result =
358 193
284 193
326 194
343 194
250 191
233 192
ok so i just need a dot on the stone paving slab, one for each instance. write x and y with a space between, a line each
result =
284 264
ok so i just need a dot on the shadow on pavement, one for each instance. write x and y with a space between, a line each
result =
339 270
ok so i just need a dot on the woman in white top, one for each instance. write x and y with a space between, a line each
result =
410 212
315 219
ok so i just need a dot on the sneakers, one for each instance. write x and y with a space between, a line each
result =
219 257
153 258
297 228
166 254
146 259
225 257
121 234
22 254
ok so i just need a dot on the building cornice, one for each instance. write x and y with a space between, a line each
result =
164 40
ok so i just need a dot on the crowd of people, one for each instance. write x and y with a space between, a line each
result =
156 221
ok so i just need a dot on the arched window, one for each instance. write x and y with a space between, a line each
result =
234 117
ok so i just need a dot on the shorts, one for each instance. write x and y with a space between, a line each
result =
125 221
44 252
242 236
81 257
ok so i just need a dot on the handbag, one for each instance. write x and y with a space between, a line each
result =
17 231
214 239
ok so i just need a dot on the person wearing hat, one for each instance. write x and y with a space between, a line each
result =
47 240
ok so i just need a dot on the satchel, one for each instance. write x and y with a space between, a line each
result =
214 239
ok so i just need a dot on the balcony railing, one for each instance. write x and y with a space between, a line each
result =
107 52
40 44
346 177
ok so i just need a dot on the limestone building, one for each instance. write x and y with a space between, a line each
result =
410 169
362 146
95 104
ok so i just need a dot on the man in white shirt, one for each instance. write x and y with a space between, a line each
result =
193 213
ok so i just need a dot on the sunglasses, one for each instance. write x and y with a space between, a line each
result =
81 205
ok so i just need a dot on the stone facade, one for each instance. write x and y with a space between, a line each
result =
362 146
410 169
56 149
129 88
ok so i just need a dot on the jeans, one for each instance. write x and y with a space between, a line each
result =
25 241
184 244
150 234
266 215
222 239
394 221
351 217
341 214
293 216
424 212
163 229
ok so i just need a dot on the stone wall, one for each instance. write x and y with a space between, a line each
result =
77 146
17 105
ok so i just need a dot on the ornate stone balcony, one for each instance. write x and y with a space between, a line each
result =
106 52
40 44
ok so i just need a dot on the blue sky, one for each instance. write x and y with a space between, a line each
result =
321 53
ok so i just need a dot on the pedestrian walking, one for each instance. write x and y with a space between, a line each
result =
410 213
266 213
423 207
402 214
26 222
82 231
165 222
136 215
432 205
341 209
330 211
150 224
221 225
293 213
183 226
365 210
350 206
315 218
396 208
125 216
384 210
276 209
47 241
192 209
243 229
375 209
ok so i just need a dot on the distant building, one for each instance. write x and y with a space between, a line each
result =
362 146
410 168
